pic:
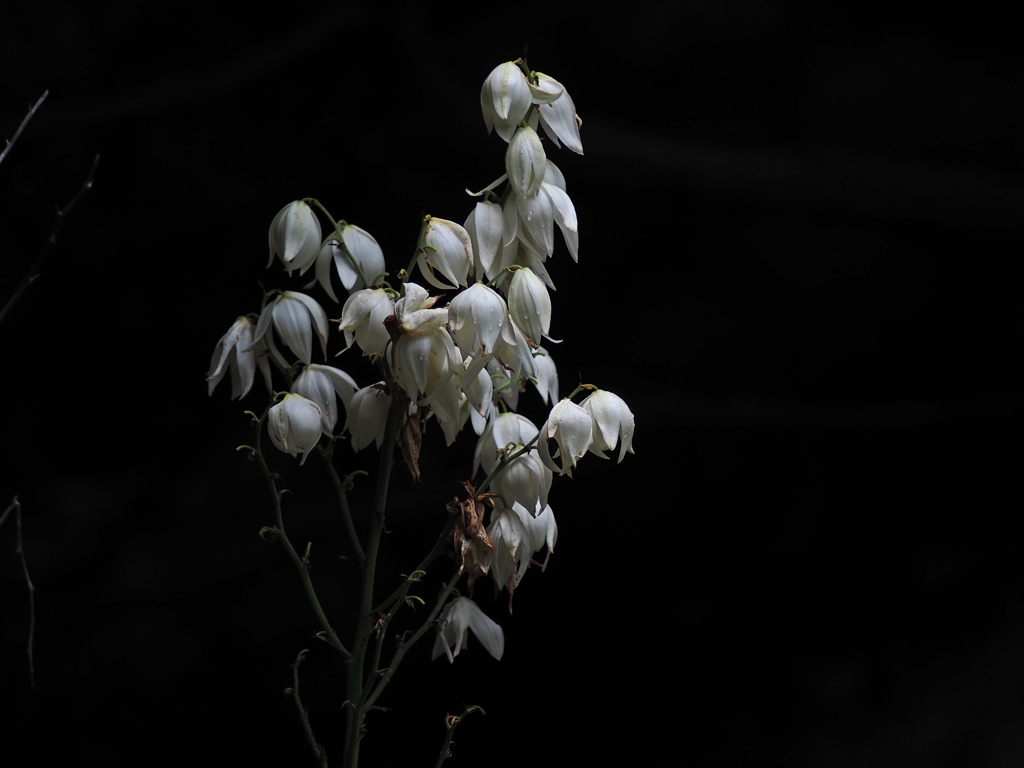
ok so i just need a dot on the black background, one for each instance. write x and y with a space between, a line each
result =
799 245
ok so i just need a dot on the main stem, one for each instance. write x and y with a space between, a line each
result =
356 666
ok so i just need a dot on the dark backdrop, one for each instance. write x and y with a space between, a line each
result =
798 239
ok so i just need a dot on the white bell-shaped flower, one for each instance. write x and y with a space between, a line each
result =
531 221
445 249
368 416
525 162
324 385
543 529
525 480
422 363
454 623
236 355
362 320
475 319
445 401
529 303
415 314
485 225
294 316
505 429
571 428
513 352
613 423
510 538
295 237
294 425
362 247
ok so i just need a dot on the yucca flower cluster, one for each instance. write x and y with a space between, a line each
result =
459 349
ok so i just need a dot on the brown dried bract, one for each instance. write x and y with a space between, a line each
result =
469 528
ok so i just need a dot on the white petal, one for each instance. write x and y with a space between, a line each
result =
328 251
365 250
565 215
559 117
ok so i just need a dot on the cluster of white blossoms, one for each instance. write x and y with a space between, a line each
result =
463 355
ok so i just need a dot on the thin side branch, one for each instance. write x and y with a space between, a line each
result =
51 241
15 506
31 111
317 747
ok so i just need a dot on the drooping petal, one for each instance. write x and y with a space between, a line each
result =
323 384
456 619
547 375
559 118
565 215
537 216
232 354
291 306
291 319
365 250
328 252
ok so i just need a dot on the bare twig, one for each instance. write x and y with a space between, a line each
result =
37 265
15 506
318 751
452 722
17 133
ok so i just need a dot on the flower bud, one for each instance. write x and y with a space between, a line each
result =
525 162
295 237
505 99
294 425
362 320
530 304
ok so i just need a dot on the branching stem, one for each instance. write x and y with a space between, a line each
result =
307 583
